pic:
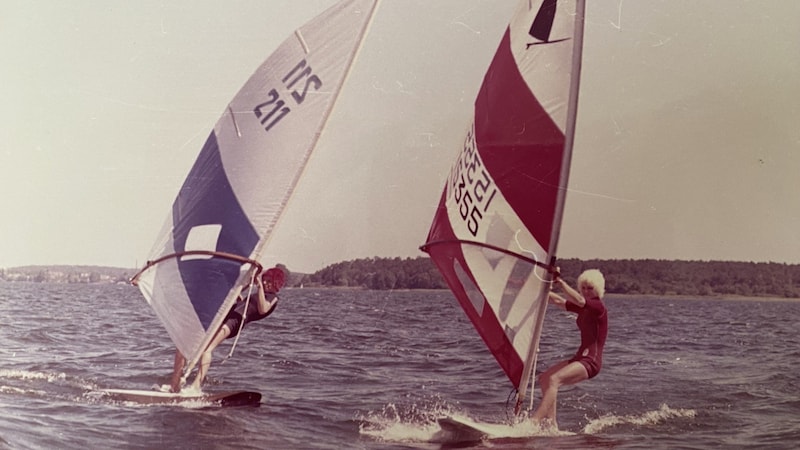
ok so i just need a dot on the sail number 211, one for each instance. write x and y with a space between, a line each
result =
299 81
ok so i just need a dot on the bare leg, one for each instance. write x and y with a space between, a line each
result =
205 359
563 373
177 369
546 408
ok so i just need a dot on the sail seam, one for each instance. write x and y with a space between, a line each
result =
302 41
233 119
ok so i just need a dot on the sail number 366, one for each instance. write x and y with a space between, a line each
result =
470 186
299 81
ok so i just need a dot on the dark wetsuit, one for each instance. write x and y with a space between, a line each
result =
234 318
593 322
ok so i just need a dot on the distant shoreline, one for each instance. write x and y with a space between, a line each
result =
609 296
693 280
730 298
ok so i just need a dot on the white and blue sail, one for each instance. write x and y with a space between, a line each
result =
240 184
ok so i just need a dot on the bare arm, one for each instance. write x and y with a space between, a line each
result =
264 305
573 296
557 300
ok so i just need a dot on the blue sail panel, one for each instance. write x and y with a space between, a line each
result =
207 198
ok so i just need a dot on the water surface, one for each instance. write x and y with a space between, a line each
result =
372 370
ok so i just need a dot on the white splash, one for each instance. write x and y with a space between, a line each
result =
660 415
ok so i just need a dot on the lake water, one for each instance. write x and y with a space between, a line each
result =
372 370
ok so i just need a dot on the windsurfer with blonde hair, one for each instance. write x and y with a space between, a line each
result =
593 324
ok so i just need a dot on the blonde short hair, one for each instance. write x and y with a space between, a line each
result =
594 278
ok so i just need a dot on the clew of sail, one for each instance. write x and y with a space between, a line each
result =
496 228
244 176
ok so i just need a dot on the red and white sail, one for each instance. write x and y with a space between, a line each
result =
495 231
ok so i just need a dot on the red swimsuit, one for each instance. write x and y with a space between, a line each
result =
593 322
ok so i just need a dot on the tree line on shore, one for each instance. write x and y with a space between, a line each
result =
66 274
623 276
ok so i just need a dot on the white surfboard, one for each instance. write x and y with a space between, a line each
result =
226 398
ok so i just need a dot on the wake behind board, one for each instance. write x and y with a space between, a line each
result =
460 430
228 398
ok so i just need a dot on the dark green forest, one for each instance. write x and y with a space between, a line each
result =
625 276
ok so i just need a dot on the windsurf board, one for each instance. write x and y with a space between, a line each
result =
226 398
461 430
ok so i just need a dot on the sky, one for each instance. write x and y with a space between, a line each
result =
687 144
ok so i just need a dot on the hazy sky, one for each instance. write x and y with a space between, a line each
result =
688 142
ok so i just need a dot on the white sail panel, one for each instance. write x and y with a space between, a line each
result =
283 107
509 285
546 65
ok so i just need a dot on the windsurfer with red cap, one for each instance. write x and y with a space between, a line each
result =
259 305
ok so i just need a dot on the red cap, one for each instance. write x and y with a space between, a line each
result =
273 279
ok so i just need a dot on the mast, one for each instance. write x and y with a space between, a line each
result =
529 371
